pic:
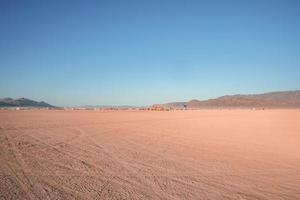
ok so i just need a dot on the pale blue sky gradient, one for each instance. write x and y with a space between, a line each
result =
145 52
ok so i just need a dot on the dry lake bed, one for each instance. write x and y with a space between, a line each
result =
204 154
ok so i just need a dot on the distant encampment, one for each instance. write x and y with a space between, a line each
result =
284 99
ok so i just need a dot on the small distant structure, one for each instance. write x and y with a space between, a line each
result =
157 108
185 106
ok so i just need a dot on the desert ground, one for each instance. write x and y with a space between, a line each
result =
204 154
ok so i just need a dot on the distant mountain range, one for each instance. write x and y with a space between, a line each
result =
285 99
22 102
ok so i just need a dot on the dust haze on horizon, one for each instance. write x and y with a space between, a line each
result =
146 52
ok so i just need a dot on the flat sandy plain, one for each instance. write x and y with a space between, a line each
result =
206 154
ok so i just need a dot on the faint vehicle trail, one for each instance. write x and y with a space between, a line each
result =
237 154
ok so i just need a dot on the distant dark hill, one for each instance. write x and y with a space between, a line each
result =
22 102
287 99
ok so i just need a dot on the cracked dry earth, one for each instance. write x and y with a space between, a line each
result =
208 154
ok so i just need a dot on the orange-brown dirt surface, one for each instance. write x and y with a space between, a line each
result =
205 154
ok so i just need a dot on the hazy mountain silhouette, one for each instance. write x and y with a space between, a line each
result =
22 102
286 99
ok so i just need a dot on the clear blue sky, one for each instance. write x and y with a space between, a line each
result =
145 52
